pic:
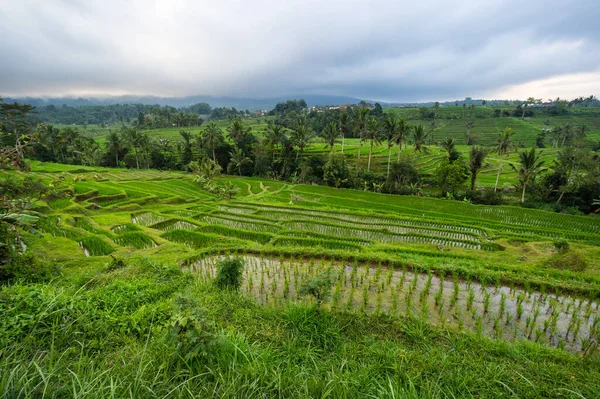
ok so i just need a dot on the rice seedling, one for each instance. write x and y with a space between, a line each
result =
471 298
455 292
486 301
502 306
134 239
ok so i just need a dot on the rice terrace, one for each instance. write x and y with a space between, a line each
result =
360 200
443 274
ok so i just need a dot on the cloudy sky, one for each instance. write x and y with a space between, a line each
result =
382 50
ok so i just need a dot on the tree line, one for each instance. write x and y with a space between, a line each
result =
280 152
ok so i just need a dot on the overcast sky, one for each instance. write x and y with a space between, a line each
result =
381 50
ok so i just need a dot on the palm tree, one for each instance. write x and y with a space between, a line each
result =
449 146
135 139
531 165
237 160
503 147
344 123
567 133
469 125
361 116
212 136
301 137
89 152
163 145
419 137
402 132
275 136
390 126
48 137
236 130
115 144
476 158
187 155
372 134
330 134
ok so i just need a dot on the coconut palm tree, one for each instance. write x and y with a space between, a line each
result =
115 144
187 155
402 133
330 135
449 146
419 137
470 124
361 125
237 160
476 158
237 129
344 124
373 134
275 136
136 140
530 167
212 136
503 147
390 127
301 136
163 145
566 133
89 152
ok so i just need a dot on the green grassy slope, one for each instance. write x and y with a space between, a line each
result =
101 330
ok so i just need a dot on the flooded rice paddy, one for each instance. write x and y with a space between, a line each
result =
509 313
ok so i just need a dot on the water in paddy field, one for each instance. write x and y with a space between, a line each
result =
495 311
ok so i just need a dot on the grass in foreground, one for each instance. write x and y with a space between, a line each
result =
149 330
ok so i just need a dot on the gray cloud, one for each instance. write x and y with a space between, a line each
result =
371 49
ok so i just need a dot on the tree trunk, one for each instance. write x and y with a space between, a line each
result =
343 135
562 193
214 156
523 194
498 176
137 158
117 158
370 154
473 178
389 160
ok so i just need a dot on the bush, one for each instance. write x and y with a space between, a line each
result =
318 287
28 268
484 197
229 273
336 172
190 332
562 246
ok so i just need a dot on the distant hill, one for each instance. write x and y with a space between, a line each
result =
251 104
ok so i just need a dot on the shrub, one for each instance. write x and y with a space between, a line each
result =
485 197
562 246
336 172
229 273
318 287
28 268
115 264
190 332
